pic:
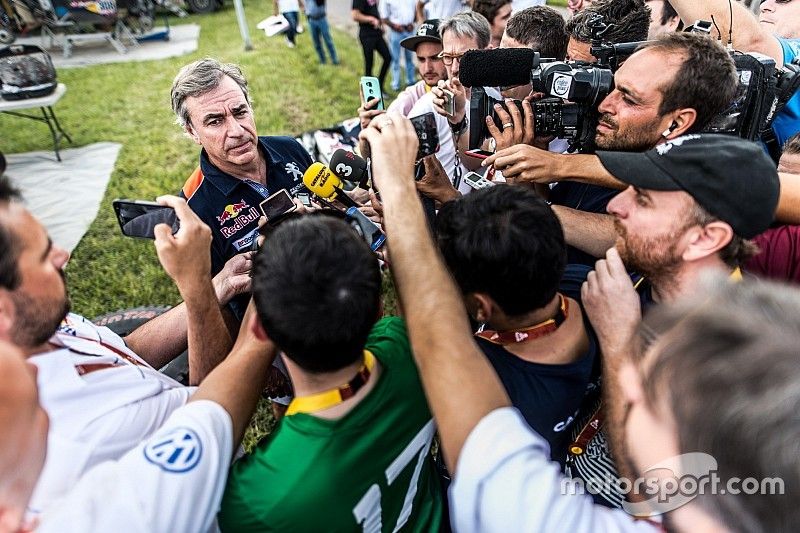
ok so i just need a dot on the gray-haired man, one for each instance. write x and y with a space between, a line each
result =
238 169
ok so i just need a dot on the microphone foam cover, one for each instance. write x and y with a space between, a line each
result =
499 67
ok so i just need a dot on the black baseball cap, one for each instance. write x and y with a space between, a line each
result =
428 32
731 178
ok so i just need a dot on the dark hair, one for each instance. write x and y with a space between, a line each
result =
725 366
316 286
668 12
9 245
488 8
542 28
792 145
631 20
506 242
706 80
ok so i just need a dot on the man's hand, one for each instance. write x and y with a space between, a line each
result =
367 112
435 184
234 278
612 304
459 99
394 146
516 129
523 163
185 256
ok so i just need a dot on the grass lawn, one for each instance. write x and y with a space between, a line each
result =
129 103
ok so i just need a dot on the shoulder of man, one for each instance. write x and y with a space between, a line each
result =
171 482
791 48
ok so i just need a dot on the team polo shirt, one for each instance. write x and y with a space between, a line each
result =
229 205
95 416
370 470
787 123
171 482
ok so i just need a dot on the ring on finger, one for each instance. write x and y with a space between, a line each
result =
508 125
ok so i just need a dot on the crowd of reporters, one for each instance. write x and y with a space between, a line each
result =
593 244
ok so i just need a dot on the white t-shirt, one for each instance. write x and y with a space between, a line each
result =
172 482
505 481
98 416
447 148
442 9
287 6
398 11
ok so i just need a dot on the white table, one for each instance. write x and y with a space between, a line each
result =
45 105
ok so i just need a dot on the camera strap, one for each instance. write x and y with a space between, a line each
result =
542 329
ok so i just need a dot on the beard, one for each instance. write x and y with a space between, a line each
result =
36 320
655 257
634 139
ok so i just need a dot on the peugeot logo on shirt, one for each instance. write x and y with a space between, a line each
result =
176 451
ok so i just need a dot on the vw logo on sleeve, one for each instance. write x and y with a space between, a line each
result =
177 451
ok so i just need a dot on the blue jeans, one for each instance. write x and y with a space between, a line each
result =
291 17
394 42
319 32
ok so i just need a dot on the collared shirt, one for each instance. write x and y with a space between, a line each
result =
98 416
229 205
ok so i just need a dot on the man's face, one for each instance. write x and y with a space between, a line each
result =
40 302
578 51
629 116
517 92
656 28
789 163
24 426
222 122
429 64
652 229
455 47
498 26
781 18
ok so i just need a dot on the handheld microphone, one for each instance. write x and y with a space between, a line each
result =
498 67
321 181
349 166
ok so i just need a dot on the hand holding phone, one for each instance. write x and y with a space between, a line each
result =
478 153
427 133
277 205
185 254
371 89
138 218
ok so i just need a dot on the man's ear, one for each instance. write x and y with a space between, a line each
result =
190 131
681 121
708 240
7 312
257 329
482 306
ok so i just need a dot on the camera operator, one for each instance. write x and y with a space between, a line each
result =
629 21
775 34
668 88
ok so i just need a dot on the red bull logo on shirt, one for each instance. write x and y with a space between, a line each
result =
232 211
243 219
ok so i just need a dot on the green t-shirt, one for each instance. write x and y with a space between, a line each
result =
370 470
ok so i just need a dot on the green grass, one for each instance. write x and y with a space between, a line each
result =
129 103
557 3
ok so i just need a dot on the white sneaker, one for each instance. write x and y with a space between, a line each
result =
289 43
299 28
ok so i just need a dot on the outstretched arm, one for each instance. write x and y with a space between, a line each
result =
461 386
747 34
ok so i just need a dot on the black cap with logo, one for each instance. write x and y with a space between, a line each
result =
731 178
428 32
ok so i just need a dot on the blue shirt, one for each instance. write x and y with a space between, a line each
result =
787 123
549 397
230 206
